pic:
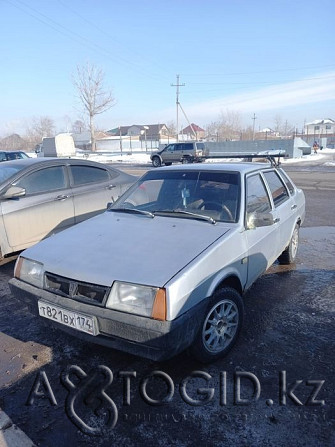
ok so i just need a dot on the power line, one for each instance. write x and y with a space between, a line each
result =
93 24
42 18
262 82
259 72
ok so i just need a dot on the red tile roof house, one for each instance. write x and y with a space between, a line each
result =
198 133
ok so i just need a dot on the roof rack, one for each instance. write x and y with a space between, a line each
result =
269 155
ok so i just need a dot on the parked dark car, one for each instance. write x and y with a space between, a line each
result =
42 196
12 155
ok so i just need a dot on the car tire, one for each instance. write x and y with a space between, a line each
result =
218 332
168 163
186 160
290 253
156 162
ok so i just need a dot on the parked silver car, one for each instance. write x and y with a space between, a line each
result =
39 197
190 240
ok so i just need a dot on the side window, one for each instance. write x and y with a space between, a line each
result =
14 156
257 197
170 147
179 147
44 180
188 147
287 181
277 187
3 156
88 174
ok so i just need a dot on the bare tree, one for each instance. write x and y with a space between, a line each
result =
228 126
89 82
171 125
79 126
284 128
39 128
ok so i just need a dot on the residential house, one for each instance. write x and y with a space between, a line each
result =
142 131
320 128
193 131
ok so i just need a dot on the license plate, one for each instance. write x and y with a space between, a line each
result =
71 319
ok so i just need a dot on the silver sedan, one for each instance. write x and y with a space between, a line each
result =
39 197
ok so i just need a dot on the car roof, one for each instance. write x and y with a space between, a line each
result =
243 167
27 162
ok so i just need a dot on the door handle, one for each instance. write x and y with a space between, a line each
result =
293 207
62 197
276 220
111 186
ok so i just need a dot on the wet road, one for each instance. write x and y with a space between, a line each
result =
288 336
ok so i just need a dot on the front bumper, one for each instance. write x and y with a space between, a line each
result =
153 339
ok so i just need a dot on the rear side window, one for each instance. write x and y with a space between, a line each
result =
257 197
82 175
277 187
188 146
43 180
288 182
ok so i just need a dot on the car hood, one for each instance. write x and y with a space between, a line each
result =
132 248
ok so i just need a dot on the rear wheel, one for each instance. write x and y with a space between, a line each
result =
220 326
156 162
290 253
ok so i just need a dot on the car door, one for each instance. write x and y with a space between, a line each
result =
169 155
262 241
187 150
46 208
93 188
284 205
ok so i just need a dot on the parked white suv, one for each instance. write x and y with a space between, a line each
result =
164 269
186 152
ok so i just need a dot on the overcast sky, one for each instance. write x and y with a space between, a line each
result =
273 57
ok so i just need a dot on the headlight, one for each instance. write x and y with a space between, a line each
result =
137 299
29 271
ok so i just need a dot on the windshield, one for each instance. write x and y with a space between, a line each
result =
206 193
7 171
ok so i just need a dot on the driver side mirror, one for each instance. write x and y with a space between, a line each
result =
14 192
255 220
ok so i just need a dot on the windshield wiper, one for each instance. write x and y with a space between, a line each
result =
186 213
132 211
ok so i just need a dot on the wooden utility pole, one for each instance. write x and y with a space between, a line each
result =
177 85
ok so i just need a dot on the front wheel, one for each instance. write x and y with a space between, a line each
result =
156 162
290 253
220 326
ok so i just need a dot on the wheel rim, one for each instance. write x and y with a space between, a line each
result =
220 326
294 243
156 161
